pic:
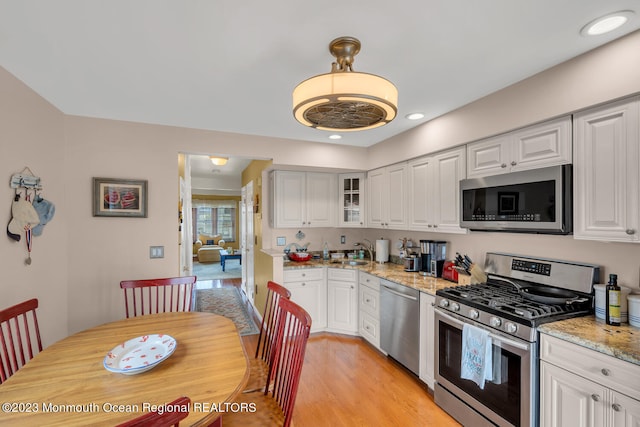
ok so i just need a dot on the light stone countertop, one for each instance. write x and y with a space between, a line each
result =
622 342
388 271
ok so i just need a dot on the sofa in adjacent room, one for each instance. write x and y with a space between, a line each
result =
207 248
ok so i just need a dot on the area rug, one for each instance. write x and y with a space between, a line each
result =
213 270
227 302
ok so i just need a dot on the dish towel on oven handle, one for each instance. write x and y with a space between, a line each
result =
476 362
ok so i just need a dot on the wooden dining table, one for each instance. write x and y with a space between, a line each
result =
67 384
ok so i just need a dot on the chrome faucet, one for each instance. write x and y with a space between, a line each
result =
368 247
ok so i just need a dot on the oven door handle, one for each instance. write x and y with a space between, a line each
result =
493 336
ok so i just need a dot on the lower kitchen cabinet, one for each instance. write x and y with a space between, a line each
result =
308 290
582 387
427 340
369 308
342 301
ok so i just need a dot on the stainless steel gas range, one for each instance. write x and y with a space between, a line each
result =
520 294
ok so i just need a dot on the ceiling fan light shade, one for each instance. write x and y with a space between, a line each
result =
345 100
218 161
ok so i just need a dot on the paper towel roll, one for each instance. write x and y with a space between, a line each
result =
382 251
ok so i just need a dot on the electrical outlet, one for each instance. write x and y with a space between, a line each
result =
156 251
281 241
343 240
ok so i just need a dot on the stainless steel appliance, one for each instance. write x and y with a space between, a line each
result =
521 293
433 255
412 263
400 323
534 201
425 257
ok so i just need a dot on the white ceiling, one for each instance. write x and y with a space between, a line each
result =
221 180
231 65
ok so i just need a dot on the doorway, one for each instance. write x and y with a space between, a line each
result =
221 189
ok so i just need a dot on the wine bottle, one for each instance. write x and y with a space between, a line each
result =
612 301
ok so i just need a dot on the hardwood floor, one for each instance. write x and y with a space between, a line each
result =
347 382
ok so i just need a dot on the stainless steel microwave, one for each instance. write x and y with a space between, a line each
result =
533 201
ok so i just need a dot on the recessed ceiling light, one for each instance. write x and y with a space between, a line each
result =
335 137
414 116
606 23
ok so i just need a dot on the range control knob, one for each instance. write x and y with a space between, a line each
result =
473 313
455 306
444 303
511 328
495 321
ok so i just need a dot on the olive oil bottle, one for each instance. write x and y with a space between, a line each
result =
612 301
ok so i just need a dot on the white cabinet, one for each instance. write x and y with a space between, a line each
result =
387 194
536 146
308 289
434 191
606 180
342 300
369 308
351 206
427 340
582 387
303 199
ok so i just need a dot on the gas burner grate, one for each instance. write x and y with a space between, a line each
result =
505 298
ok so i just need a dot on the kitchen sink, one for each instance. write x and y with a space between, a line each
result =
351 262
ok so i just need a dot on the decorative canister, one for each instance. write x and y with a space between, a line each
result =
600 303
634 310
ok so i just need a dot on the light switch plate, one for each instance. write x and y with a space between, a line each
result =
156 251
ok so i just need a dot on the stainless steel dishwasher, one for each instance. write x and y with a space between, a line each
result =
400 323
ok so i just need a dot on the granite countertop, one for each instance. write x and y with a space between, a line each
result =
622 342
388 271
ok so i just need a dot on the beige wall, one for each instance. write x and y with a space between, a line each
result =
32 135
80 259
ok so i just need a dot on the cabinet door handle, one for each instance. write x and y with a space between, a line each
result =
504 165
595 397
605 372
304 284
630 231
367 300
616 407
352 287
513 163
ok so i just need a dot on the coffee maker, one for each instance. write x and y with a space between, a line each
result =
433 254
425 257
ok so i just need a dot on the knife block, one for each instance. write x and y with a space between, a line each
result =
464 279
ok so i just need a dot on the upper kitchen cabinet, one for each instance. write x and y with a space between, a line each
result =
386 196
606 179
352 200
434 191
537 146
303 199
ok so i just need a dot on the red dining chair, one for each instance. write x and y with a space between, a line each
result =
259 365
274 406
171 415
19 337
149 296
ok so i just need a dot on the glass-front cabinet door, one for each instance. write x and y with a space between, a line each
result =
352 200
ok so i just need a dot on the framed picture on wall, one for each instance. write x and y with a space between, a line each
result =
119 197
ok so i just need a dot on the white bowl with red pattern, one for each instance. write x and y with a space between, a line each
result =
139 354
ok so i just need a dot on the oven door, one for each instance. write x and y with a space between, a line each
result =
509 400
